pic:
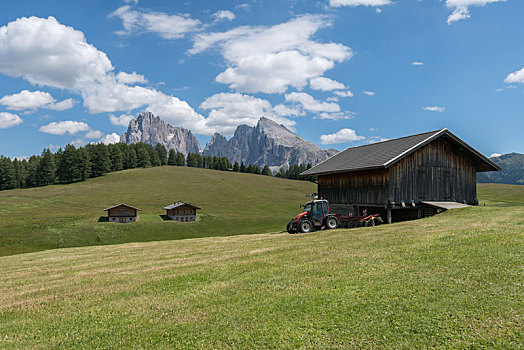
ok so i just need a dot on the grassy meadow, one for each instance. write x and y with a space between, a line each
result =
455 280
60 216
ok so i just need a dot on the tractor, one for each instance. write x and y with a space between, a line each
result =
315 215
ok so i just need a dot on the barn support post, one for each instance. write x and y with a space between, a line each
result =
389 216
419 213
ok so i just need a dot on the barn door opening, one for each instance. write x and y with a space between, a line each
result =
122 220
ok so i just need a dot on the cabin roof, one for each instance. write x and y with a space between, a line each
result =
382 155
121 205
181 204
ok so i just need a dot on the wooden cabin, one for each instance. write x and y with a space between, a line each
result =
180 211
403 178
122 213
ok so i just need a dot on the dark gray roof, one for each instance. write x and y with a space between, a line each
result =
120 205
382 155
181 204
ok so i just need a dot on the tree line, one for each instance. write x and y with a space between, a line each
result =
73 164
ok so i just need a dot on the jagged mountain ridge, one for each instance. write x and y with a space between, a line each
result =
152 130
268 143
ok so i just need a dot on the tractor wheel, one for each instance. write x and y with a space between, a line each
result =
306 226
331 223
290 228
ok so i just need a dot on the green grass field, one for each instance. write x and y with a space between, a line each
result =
455 280
62 216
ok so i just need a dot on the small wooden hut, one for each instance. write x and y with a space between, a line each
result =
180 211
403 178
122 213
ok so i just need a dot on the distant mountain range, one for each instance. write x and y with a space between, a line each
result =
152 130
268 143
512 172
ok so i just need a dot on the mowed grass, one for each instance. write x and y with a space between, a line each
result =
62 216
455 280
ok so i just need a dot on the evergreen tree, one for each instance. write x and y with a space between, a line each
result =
162 153
33 164
129 158
67 168
180 159
243 168
83 164
153 155
46 171
99 156
199 160
236 167
191 160
7 174
266 171
172 157
142 157
19 173
116 157
256 169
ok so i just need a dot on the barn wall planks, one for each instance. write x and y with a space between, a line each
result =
438 172
370 187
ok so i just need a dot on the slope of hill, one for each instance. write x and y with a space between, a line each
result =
67 215
268 143
451 281
512 172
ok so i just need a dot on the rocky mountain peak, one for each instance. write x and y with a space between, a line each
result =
268 143
150 129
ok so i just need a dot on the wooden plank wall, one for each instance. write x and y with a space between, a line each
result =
437 172
370 187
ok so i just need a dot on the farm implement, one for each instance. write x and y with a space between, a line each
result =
316 216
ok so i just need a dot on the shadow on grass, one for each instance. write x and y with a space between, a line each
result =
165 218
103 219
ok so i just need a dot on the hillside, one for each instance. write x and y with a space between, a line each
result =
60 216
512 172
450 281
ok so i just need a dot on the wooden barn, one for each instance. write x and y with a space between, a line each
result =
403 178
122 213
183 212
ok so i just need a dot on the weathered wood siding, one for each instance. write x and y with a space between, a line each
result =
121 211
182 211
360 187
437 172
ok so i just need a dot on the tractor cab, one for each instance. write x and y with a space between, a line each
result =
317 210
315 215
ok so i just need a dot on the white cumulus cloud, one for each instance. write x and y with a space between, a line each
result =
309 103
461 8
32 100
325 84
434 109
94 134
130 78
70 127
417 63
123 119
273 59
47 53
110 138
228 110
165 25
223 15
8 120
346 93
341 136
494 155
369 93
515 77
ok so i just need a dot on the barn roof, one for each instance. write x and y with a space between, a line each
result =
120 205
181 204
382 155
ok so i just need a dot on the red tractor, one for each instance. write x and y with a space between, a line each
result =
316 215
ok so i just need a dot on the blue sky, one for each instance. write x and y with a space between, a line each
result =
340 73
